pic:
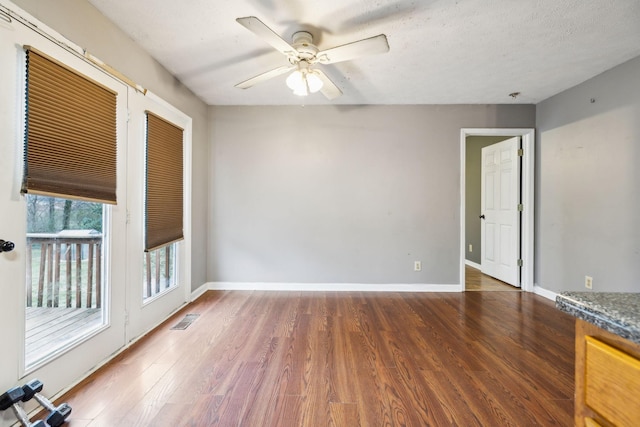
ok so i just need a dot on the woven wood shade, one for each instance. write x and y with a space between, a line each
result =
70 135
164 198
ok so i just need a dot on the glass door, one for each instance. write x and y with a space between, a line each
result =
159 279
62 309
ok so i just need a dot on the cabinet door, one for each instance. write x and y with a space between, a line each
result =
607 378
612 383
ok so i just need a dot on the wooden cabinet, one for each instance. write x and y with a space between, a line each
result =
607 378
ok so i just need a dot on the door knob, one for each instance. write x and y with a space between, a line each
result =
6 246
482 216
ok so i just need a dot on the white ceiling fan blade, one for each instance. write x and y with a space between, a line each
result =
329 89
259 28
370 46
265 76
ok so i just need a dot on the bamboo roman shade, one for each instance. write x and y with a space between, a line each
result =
164 198
70 135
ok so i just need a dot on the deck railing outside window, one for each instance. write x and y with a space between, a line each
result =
159 271
64 269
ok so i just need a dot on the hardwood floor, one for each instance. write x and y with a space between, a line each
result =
343 359
476 281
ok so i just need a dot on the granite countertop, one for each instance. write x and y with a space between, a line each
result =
618 313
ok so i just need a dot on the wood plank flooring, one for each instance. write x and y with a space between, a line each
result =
343 359
476 281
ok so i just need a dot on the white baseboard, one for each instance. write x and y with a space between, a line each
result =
199 292
333 287
473 264
544 292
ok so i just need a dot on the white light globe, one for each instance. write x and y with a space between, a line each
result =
295 80
314 82
304 81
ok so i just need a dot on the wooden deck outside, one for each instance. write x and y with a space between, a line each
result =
50 328
64 290
64 287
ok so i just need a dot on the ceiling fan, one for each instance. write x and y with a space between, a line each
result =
303 55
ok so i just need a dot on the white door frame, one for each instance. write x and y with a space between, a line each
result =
528 145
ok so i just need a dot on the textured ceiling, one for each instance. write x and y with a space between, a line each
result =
442 51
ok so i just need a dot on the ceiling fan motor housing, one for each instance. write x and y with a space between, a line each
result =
303 43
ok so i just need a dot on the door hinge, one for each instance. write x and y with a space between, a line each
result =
520 152
126 318
520 263
520 207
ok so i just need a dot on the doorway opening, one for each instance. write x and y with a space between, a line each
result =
476 281
525 196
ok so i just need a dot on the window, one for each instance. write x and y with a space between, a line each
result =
69 178
163 204
64 300
159 271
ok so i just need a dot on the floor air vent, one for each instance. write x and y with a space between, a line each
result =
184 323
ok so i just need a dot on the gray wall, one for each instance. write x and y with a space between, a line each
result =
341 195
473 191
588 192
81 23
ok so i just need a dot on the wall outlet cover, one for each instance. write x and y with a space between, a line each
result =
588 282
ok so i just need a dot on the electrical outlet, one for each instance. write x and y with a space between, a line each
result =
588 282
470 248
417 266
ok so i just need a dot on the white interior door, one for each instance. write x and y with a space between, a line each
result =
500 235
69 365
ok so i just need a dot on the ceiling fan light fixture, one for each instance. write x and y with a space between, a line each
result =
304 81
301 91
313 81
